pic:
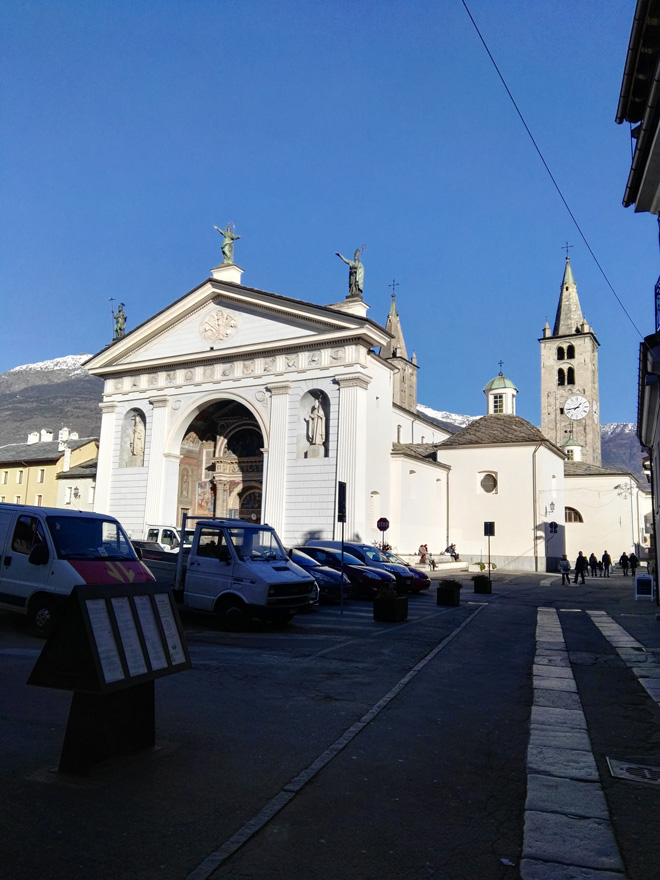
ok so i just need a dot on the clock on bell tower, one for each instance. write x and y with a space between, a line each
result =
569 375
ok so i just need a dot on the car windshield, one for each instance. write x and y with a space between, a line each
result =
375 555
392 558
320 552
89 538
301 558
257 544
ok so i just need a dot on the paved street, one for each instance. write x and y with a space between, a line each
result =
466 743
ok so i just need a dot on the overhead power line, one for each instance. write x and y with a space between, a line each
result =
550 174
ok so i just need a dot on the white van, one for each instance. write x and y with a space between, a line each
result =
45 552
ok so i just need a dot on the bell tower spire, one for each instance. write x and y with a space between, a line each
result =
404 390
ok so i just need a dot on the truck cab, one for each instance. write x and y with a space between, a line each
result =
238 570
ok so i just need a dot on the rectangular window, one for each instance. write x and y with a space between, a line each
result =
3 498
90 495
68 494
5 478
41 475
498 403
39 500
19 476
17 499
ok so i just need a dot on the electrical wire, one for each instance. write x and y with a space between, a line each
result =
547 168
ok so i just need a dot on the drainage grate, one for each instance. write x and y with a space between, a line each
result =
634 772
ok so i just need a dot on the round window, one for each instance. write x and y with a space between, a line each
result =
488 483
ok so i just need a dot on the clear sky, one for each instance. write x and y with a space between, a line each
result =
130 129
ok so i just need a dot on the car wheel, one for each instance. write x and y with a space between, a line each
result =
232 614
41 615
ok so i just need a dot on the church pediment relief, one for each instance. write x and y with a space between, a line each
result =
248 323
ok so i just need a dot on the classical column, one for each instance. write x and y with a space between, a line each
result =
106 458
154 512
352 450
273 509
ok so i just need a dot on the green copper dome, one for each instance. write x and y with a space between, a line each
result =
498 382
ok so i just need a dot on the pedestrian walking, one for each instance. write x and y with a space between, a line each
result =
634 562
581 565
565 569
624 562
600 568
607 563
593 565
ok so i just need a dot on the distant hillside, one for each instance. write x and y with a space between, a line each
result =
51 394
620 448
61 394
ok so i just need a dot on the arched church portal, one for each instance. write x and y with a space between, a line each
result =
222 464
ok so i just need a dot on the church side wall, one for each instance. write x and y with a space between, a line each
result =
378 445
511 507
128 485
612 518
420 490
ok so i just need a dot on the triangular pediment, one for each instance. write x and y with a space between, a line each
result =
230 320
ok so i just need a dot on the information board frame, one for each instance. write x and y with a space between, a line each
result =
645 582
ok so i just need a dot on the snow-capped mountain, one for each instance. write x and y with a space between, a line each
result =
451 421
52 394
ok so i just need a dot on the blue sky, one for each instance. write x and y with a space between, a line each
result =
130 129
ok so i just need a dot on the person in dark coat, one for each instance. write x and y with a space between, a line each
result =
580 567
593 565
607 563
624 562
634 562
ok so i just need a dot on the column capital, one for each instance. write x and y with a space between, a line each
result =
354 381
158 402
280 388
108 407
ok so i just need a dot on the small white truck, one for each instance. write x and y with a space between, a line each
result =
169 537
235 569
45 552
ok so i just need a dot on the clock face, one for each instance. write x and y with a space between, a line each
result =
576 407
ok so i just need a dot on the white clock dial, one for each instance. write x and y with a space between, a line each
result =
576 407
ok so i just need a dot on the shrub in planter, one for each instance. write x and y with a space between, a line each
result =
481 583
389 607
449 592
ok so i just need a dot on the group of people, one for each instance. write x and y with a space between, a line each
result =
596 567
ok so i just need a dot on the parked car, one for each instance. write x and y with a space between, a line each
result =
365 580
421 581
374 558
329 580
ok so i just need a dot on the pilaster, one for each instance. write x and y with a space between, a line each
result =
105 457
352 449
154 512
275 473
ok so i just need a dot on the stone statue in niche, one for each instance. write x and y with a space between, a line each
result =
137 438
316 431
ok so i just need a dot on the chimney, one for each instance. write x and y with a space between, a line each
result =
33 437
46 436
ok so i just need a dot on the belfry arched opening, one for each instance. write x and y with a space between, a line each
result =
222 464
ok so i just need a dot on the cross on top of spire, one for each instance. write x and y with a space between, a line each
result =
566 247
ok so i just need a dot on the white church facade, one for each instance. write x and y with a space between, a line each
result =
237 402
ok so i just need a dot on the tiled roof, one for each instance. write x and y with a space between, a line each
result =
496 430
86 469
585 469
425 451
14 453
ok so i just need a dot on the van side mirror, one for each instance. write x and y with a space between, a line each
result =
39 555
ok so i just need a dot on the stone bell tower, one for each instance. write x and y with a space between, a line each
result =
404 392
569 376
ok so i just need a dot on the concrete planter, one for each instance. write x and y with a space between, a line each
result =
449 593
482 583
391 610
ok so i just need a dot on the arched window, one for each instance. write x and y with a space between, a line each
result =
560 353
561 377
570 376
570 352
571 515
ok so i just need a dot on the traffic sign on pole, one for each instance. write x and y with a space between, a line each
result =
383 524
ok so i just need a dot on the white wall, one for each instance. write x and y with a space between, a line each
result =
524 477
